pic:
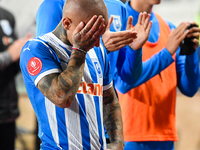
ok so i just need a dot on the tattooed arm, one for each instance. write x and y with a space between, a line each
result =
113 120
61 88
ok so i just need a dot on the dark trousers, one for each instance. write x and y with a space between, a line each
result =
7 136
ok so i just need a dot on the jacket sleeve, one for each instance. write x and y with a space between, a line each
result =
151 67
129 65
187 68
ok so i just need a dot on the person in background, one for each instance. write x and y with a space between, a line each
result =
148 106
10 48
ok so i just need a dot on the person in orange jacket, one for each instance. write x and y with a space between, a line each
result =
148 105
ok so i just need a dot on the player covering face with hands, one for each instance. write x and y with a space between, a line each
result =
69 83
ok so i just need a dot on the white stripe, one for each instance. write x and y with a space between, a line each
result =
92 120
92 54
101 102
86 74
51 113
102 51
91 113
56 70
73 127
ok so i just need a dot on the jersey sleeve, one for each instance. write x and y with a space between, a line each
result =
187 68
37 61
48 16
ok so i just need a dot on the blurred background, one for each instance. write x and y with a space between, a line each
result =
187 109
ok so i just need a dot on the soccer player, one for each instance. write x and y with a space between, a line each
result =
69 84
148 106
129 56
116 37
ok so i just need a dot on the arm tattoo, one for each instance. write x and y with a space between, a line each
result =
61 88
112 116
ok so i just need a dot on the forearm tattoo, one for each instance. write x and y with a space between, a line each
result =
61 88
112 116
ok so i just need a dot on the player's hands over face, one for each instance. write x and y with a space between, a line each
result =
15 48
87 36
194 32
116 40
142 27
176 37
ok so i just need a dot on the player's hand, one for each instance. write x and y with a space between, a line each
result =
194 32
15 48
87 36
116 40
142 27
176 37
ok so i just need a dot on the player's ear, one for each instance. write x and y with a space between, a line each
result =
66 23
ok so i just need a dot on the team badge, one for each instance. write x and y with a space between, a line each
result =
117 23
6 27
34 66
97 68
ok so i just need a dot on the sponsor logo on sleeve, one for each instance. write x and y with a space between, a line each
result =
34 66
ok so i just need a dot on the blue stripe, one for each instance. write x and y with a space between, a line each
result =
91 69
62 131
99 123
84 123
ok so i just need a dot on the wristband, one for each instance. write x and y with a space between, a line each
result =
78 49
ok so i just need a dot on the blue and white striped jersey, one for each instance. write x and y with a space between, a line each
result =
81 125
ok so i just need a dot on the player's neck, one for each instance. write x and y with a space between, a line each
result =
60 33
140 6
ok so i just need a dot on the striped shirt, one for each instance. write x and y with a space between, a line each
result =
80 126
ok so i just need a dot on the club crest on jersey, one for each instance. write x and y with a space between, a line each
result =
117 23
97 67
34 66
